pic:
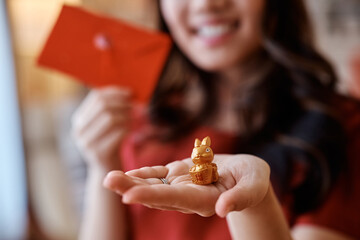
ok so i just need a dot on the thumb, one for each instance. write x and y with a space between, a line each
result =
252 176
235 199
240 197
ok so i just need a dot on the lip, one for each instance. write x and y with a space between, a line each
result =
214 40
212 20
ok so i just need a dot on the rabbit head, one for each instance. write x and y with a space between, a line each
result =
202 153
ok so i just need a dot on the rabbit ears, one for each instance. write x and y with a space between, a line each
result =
205 142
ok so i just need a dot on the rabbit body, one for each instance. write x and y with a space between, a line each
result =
204 171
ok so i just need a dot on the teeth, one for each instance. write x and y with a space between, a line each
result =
214 31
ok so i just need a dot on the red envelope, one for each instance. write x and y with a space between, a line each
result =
101 51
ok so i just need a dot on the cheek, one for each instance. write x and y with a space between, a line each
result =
173 13
246 40
253 16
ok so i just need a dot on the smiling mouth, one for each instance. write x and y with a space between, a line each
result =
216 30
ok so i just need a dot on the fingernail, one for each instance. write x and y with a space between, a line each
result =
125 199
112 174
107 179
106 182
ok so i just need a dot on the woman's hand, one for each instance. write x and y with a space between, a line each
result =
99 125
243 183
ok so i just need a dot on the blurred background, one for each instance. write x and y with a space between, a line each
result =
42 175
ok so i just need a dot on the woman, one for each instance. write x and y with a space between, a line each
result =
246 74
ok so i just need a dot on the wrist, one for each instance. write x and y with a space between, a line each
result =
104 165
267 216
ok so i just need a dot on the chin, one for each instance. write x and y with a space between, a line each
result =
217 61
214 66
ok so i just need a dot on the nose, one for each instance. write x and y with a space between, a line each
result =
209 5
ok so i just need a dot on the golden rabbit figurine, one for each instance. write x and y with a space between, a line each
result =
204 171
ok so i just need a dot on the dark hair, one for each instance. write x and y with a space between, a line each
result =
294 79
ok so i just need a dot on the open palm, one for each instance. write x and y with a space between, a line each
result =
243 182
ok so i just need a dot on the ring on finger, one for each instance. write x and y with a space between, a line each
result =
164 181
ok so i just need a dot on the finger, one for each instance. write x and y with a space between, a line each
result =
169 209
89 100
113 98
85 106
119 182
174 170
186 163
235 199
110 142
248 192
178 168
104 124
121 108
198 200
239 198
149 172
110 95
84 119
114 92
100 100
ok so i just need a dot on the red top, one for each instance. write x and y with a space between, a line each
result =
340 212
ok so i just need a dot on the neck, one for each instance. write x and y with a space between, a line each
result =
226 118
230 78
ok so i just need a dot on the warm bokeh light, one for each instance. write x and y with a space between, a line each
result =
48 98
